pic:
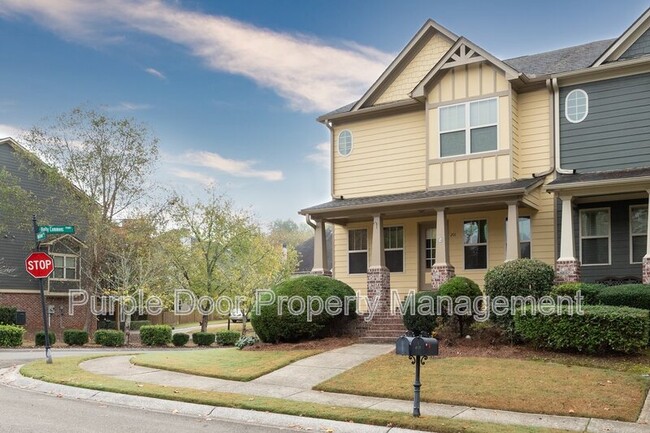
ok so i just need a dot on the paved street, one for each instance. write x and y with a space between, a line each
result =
11 357
23 411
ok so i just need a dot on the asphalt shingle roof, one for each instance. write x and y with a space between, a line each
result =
629 173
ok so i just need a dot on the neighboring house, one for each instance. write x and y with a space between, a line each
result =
454 160
52 200
305 252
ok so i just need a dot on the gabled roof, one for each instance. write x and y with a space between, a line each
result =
429 27
58 239
462 52
620 45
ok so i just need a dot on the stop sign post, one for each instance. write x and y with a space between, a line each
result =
39 265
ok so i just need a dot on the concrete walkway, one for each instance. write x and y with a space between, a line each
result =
295 381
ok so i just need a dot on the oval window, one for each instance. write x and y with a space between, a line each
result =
345 143
576 106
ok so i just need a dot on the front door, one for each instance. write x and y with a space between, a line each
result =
426 254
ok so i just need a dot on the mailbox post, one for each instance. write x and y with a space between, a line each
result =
418 349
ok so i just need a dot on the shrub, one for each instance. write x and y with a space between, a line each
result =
521 277
272 327
626 295
75 337
156 335
180 339
601 329
203 338
227 338
8 315
248 340
588 291
11 336
109 338
419 312
455 288
39 338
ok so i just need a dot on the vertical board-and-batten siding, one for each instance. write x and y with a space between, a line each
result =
639 48
616 132
416 69
387 157
473 81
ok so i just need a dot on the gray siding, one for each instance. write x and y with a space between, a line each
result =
639 48
620 240
616 133
17 241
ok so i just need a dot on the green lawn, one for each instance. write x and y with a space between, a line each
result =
231 364
66 371
508 384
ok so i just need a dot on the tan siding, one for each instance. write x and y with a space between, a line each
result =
534 132
413 73
387 157
514 121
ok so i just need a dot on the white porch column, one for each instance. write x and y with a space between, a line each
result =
320 250
442 270
645 272
377 259
512 231
567 267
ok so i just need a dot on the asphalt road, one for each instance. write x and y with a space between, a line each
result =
29 412
11 357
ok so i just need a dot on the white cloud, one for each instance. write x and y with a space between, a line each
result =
311 74
127 106
156 73
10 131
193 176
321 155
233 167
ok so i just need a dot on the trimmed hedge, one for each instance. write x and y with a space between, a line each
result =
601 329
8 315
39 338
75 337
626 295
11 336
419 312
109 338
203 338
227 338
588 291
272 327
455 288
180 339
156 335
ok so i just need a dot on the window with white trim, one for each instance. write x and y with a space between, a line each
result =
595 233
345 142
638 232
468 128
430 247
475 238
65 267
576 106
394 248
524 237
357 251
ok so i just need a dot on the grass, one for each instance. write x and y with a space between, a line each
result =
507 384
66 371
231 364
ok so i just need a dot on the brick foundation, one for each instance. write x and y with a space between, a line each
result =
441 274
567 271
645 270
379 287
60 320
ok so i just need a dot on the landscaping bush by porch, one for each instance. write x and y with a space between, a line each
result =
8 315
625 295
272 327
75 337
156 335
601 329
39 338
419 312
11 336
109 338
456 288
588 291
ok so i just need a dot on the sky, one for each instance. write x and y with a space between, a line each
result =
232 88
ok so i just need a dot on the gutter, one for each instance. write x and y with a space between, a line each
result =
596 183
556 128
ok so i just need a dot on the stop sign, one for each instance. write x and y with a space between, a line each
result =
39 265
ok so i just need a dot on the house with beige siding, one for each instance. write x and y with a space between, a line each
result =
452 163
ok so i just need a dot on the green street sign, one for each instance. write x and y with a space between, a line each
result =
40 236
55 230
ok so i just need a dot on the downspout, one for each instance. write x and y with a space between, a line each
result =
556 128
310 222
551 116
328 124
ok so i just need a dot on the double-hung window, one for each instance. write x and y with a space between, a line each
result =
475 237
430 247
357 251
595 236
65 267
468 128
394 248
638 232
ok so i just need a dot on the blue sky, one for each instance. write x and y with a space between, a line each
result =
232 88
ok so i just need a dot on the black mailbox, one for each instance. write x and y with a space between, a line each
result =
416 346
21 318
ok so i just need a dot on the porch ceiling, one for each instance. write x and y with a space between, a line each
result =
422 203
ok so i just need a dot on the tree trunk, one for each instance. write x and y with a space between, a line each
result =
127 328
243 324
204 323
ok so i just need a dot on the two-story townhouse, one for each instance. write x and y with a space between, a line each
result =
447 164
53 199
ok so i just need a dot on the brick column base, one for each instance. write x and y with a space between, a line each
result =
645 270
441 274
379 287
321 272
567 271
